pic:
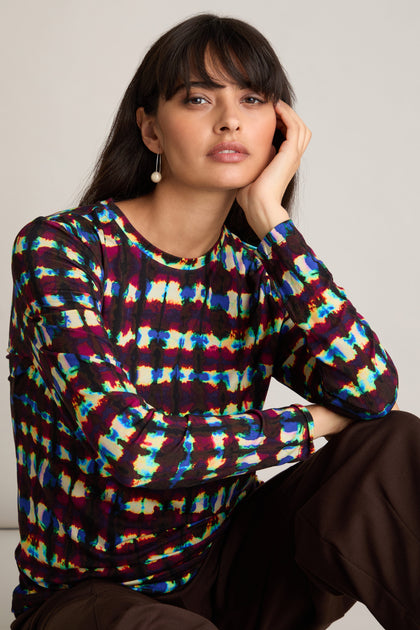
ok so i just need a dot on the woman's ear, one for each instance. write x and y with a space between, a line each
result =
147 125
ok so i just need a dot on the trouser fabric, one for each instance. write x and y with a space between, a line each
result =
340 527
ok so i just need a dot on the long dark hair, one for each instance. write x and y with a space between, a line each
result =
242 53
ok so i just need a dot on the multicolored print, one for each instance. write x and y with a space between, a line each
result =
138 384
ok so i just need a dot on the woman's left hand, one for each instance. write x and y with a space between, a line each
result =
261 199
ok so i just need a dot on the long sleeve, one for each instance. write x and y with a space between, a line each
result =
327 352
59 289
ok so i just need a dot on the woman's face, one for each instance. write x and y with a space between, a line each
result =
215 138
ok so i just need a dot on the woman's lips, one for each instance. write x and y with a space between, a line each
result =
228 152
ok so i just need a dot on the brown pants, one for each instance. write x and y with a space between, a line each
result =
340 527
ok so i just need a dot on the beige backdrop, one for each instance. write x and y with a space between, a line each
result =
66 63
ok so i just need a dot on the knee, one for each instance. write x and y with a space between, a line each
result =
394 437
390 443
400 427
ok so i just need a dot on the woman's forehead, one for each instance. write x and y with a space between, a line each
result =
214 73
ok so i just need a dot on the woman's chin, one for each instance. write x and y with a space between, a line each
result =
234 183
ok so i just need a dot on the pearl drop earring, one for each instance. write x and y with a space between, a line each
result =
156 176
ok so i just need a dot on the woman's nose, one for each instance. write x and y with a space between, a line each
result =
229 124
228 119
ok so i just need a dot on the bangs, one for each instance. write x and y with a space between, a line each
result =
221 48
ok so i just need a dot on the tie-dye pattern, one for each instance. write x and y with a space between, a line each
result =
138 383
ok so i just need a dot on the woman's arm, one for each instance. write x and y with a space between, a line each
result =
327 351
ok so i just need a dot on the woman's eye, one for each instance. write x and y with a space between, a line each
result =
254 99
195 100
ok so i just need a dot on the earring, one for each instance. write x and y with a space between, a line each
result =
156 176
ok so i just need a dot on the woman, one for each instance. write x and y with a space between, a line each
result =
145 330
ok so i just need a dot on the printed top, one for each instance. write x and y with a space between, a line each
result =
138 382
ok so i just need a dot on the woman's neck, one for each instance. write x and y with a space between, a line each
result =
183 223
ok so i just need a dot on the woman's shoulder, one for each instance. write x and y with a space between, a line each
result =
80 222
67 236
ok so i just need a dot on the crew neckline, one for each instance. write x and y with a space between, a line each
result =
164 258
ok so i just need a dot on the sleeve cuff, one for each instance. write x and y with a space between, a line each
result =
277 236
310 450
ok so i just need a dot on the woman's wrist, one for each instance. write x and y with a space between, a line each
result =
326 422
265 216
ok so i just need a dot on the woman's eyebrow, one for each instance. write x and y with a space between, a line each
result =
201 84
